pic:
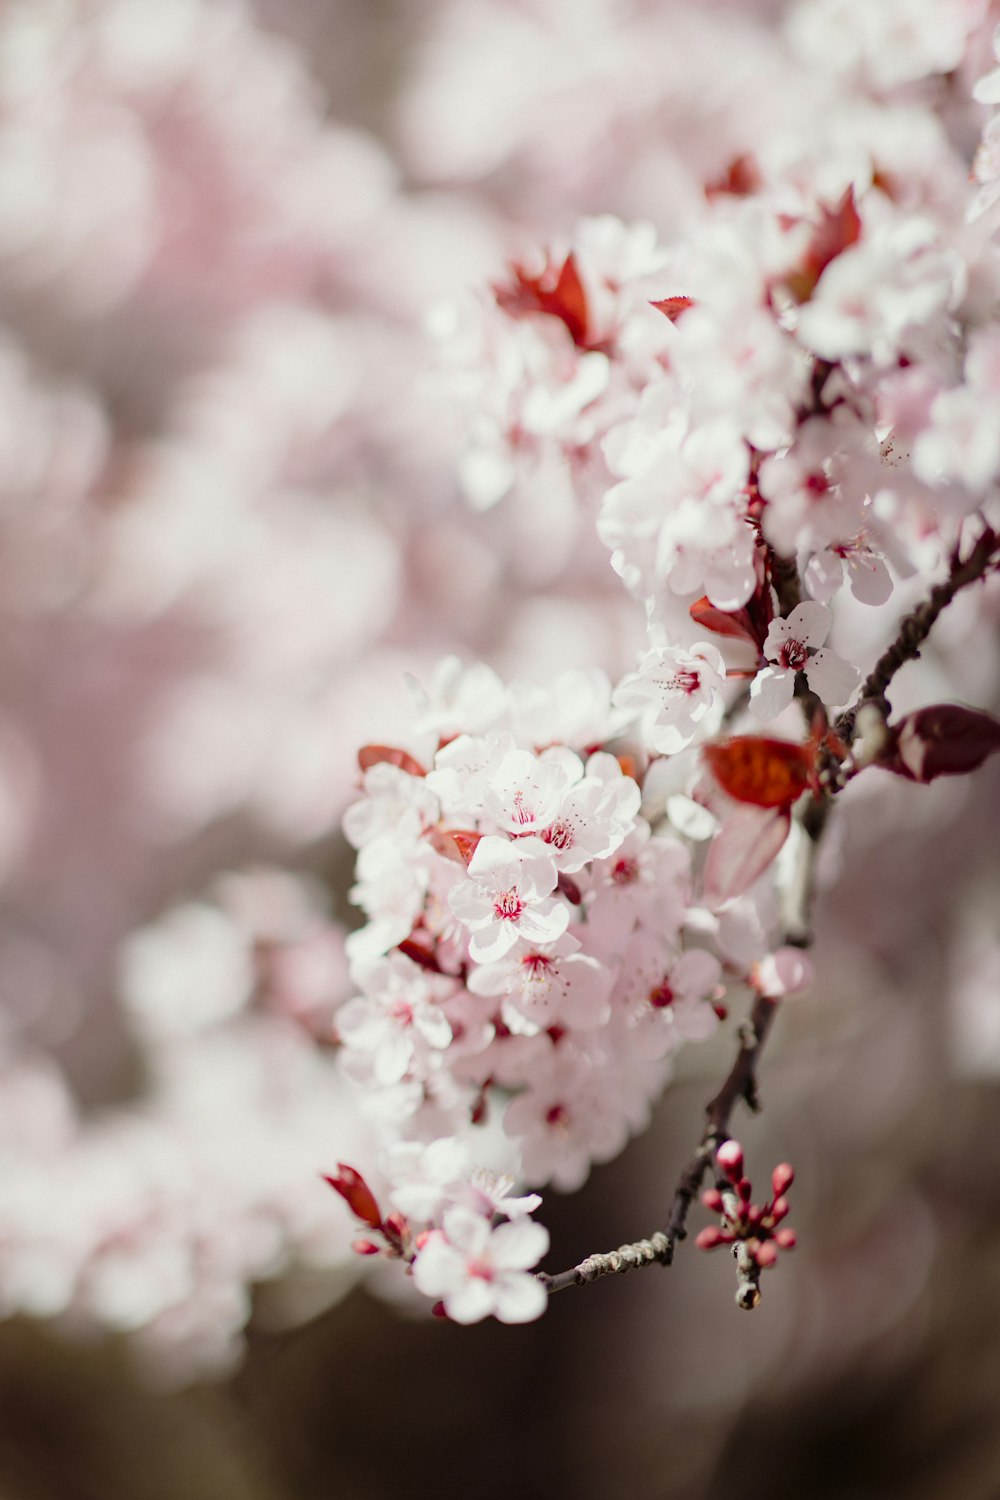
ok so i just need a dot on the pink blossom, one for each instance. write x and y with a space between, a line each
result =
479 1271
795 645
507 899
674 690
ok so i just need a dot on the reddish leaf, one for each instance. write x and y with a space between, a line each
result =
944 740
466 841
374 755
740 178
672 307
736 624
741 851
560 294
838 229
356 1193
764 772
420 954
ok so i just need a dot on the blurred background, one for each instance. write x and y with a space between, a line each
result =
230 525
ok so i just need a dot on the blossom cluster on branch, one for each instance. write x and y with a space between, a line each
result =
713 308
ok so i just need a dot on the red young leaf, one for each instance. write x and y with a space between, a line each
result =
373 755
560 294
741 851
943 740
419 954
466 841
764 772
740 178
736 624
356 1193
838 229
672 307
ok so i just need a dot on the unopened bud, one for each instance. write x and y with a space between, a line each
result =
766 1255
365 1247
730 1159
782 1178
712 1200
779 1210
710 1237
786 1239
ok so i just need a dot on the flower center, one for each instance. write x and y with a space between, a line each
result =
661 996
793 654
537 965
558 1117
508 905
685 681
522 814
625 871
560 835
816 485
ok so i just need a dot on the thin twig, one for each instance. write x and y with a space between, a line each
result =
741 1083
915 627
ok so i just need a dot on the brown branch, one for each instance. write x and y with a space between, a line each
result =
741 1083
915 627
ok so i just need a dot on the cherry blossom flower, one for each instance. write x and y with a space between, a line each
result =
507 897
674 690
478 1271
795 645
557 986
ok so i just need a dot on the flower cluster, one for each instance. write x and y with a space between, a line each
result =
755 1232
538 943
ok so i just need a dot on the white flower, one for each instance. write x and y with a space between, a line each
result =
507 897
560 985
395 1021
673 690
477 1270
795 645
524 792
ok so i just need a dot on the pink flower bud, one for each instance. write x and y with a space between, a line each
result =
779 1209
730 1159
782 1178
787 1239
766 1255
365 1247
712 1200
710 1237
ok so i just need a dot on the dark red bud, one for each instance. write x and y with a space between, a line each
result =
779 1210
943 740
356 1193
365 1247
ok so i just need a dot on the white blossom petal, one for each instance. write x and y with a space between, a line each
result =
831 677
771 692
